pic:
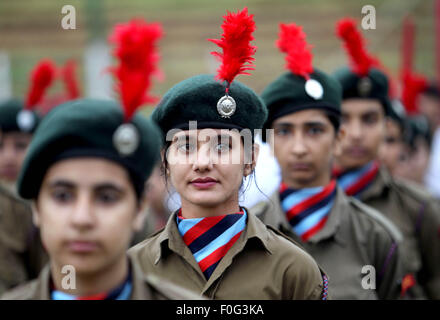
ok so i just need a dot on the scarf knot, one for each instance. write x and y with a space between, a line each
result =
210 238
307 209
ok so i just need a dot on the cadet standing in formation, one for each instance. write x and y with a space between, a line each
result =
364 107
85 173
211 245
84 178
341 233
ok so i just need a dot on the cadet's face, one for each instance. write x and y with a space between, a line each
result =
416 164
13 148
363 121
392 148
87 211
304 143
430 107
206 167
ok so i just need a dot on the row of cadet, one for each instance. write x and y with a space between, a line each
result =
98 201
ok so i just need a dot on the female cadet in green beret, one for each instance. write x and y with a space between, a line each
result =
357 247
85 173
364 107
211 245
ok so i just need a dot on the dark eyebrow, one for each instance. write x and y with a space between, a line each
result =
99 186
306 124
314 124
187 137
61 183
370 113
108 185
284 124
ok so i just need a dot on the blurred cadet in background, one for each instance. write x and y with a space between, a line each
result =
364 108
393 149
85 173
304 112
157 212
417 147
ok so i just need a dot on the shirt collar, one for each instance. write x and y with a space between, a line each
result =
171 240
272 214
379 186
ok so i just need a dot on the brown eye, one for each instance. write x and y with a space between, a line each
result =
370 119
282 132
20 145
313 131
62 196
390 140
108 196
186 147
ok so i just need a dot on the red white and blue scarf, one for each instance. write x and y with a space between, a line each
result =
354 182
307 209
210 238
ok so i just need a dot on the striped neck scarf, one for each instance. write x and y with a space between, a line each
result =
210 238
307 209
354 182
122 292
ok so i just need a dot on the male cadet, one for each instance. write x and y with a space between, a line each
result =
347 238
364 107
21 253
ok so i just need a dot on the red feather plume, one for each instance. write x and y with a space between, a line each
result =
42 77
413 85
69 78
292 41
137 54
354 44
237 56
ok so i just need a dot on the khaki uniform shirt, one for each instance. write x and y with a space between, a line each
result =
417 215
148 287
262 264
22 255
354 237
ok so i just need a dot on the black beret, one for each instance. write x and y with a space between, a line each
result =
9 112
372 86
288 94
196 98
84 128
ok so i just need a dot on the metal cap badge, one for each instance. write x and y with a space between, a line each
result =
226 106
26 120
314 89
364 86
126 139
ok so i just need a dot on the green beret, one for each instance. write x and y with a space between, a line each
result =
85 128
289 93
196 98
372 86
9 115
